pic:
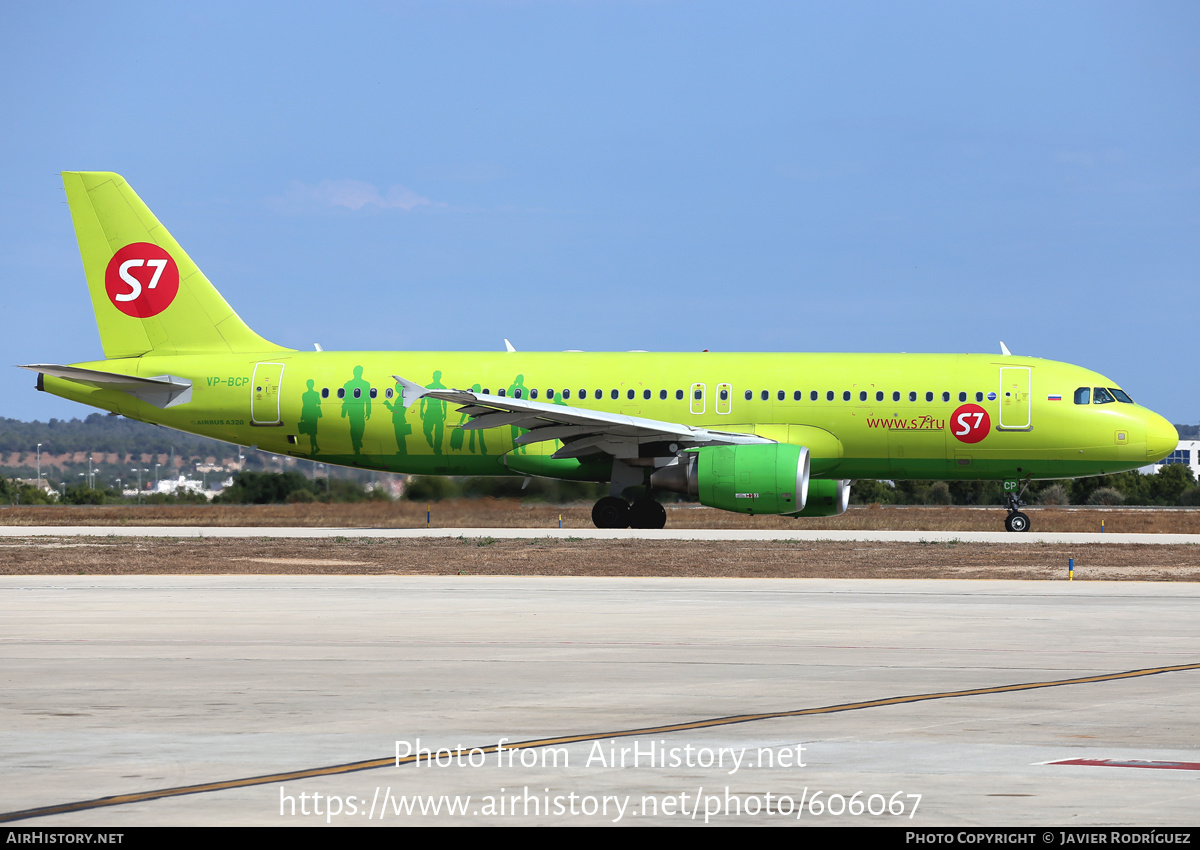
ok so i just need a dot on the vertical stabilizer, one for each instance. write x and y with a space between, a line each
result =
147 293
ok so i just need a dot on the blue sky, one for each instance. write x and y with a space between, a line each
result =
615 175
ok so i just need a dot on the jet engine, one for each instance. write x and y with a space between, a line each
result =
771 478
826 497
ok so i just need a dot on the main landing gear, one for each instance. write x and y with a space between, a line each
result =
1017 521
615 512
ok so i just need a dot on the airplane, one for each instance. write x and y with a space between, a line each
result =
781 434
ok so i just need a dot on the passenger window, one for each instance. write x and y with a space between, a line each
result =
662 395
358 392
646 394
945 396
781 395
341 392
517 393
615 394
829 395
879 395
532 393
749 394
765 395
862 396
812 396
912 396
962 396
697 395
388 392
1083 395
550 393
599 394
979 396
629 395
896 396
845 395
1101 396
797 395
679 395
929 396
324 392
724 395
566 394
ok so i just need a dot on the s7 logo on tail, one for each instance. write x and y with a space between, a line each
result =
141 280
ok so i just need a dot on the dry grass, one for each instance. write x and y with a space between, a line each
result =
498 513
545 557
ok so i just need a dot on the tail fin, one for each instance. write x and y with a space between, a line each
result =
147 293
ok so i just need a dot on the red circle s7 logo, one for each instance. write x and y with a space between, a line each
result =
970 423
141 280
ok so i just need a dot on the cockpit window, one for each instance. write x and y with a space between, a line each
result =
1121 395
1083 395
1102 396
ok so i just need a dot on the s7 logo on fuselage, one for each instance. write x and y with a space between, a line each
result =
970 423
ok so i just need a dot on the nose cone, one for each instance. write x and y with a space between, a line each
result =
1161 437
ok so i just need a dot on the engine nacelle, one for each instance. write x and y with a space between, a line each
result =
826 497
771 478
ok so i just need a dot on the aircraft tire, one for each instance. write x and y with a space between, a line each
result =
1016 521
647 513
610 512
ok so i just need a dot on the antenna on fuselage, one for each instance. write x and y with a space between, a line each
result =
508 346
1004 349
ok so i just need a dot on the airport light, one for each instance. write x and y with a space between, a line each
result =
39 465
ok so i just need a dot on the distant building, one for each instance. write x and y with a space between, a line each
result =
1187 452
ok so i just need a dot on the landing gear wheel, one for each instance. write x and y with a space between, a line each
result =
610 512
647 513
1016 521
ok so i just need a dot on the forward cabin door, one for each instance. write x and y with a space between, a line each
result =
1016 399
264 394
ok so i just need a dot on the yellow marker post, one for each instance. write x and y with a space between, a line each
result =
560 520
427 514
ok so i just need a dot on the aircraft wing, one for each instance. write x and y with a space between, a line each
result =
582 431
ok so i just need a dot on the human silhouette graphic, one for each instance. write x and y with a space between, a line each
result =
356 406
463 421
399 420
433 415
518 390
310 412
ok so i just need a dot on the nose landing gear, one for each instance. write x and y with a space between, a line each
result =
1017 521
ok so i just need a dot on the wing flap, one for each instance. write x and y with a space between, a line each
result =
582 431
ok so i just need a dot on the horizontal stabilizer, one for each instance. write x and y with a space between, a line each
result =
162 391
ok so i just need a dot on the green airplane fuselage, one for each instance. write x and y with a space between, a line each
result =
885 416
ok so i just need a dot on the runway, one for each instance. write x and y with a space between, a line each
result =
991 537
945 702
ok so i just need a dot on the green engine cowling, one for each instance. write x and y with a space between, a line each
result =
771 478
826 497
